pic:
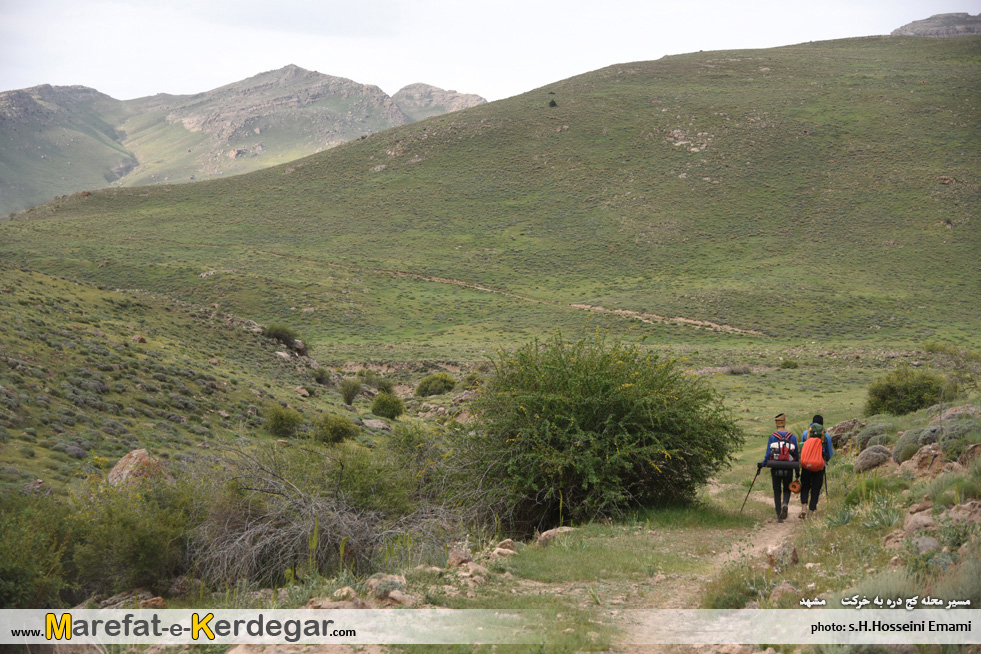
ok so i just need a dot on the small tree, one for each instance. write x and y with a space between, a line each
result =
281 333
349 389
572 431
905 390
388 406
333 428
282 422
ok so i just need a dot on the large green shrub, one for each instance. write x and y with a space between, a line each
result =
33 542
905 390
282 422
576 430
333 428
133 536
388 406
435 384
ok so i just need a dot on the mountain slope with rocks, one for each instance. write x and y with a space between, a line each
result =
942 26
60 140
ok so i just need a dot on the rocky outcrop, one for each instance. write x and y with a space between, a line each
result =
136 466
845 431
872 457
942 26
928 462
419 101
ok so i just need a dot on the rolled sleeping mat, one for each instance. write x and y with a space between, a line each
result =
783 465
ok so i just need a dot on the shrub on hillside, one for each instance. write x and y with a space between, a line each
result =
789 364
132 537
281 333
435 384
577 430
351 510
388 406
349 389
33 552
876 429
282 422
333 428
905 390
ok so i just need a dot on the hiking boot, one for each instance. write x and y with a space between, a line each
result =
783 512
803 512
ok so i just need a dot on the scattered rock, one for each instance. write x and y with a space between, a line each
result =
138 339
136 466
970 454
785 589
383 586
458 557
507 544
782 556
918 522
377 425
477 569
153 603
285 356
500 551
302 392
956 413
926 544
547 537
894 540
928 462
345 594
920 507
967 512
872 457
844 432
37 487
402 598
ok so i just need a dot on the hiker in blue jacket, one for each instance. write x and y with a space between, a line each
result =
811 481
782 446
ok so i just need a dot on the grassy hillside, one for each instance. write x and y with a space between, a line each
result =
822 192
86 375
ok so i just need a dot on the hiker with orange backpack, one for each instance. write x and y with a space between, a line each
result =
815 452
782 459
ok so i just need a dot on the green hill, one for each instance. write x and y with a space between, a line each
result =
822 192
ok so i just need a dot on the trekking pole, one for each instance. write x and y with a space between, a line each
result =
750 490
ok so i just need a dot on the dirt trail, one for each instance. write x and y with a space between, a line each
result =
684 592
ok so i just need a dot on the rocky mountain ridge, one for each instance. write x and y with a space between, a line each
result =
56 140
942 26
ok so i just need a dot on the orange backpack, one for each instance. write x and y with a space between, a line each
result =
812 453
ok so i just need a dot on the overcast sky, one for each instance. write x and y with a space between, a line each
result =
134 48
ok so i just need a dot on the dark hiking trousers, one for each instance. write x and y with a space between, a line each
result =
781 487
810 487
